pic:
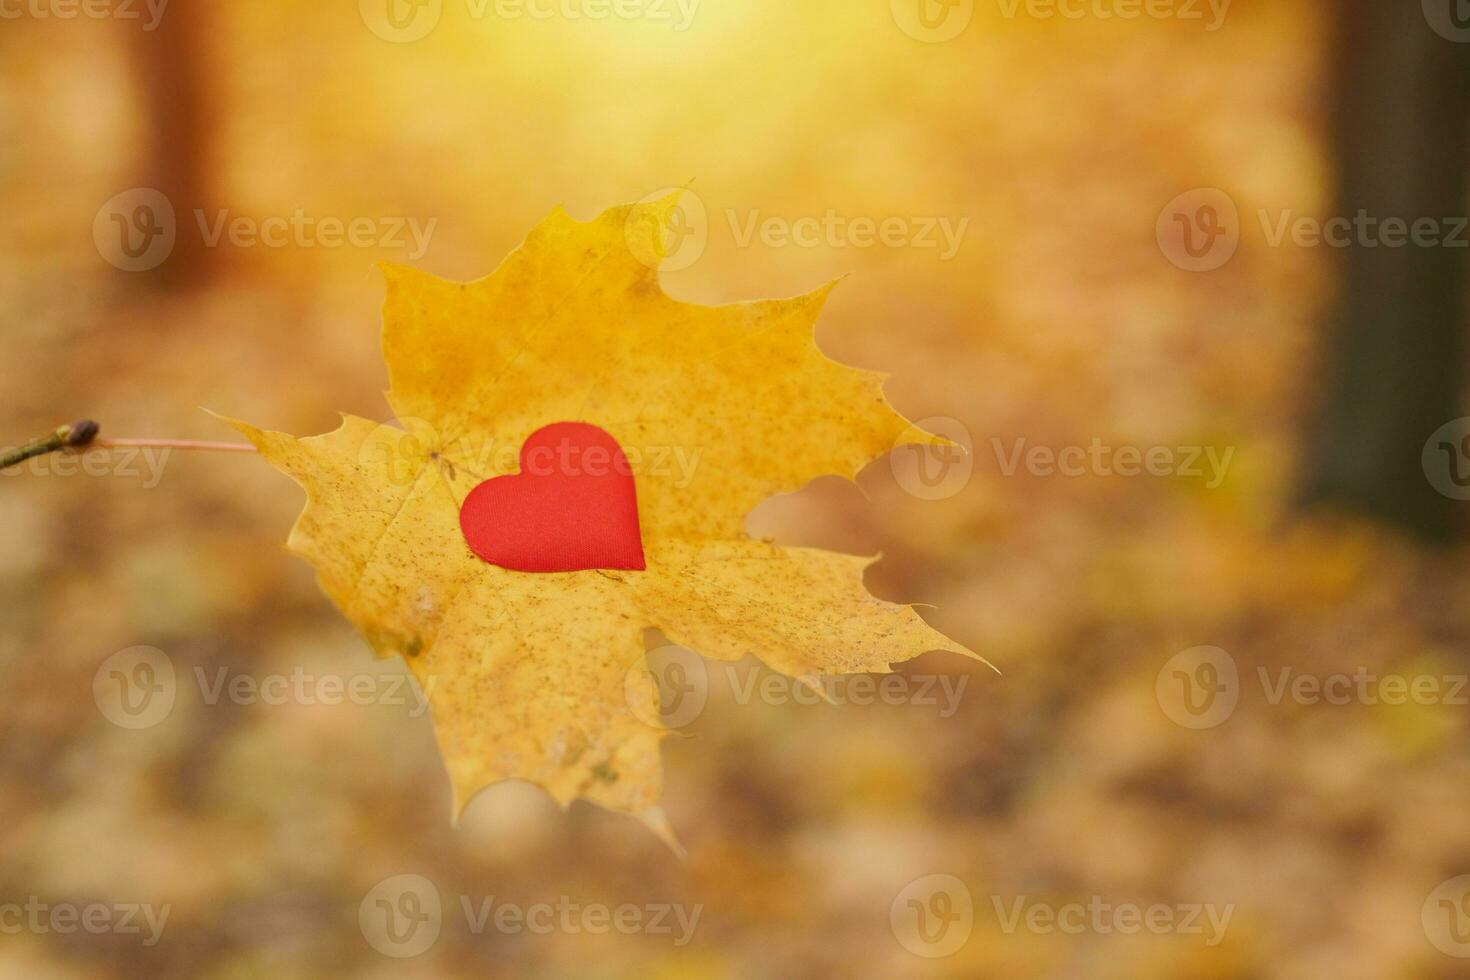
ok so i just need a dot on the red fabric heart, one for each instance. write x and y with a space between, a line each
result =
573 506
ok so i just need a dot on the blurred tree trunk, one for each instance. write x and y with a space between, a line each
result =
1395 362
171 66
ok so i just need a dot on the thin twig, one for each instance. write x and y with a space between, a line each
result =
73 436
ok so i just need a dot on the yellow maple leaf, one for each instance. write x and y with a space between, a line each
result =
541 675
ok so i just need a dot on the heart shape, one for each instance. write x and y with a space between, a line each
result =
573 506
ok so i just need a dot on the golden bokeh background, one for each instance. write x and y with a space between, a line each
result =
1058 319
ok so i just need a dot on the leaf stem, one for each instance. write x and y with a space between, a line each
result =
187 444
83 434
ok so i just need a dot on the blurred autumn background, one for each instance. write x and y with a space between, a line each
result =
1062 154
